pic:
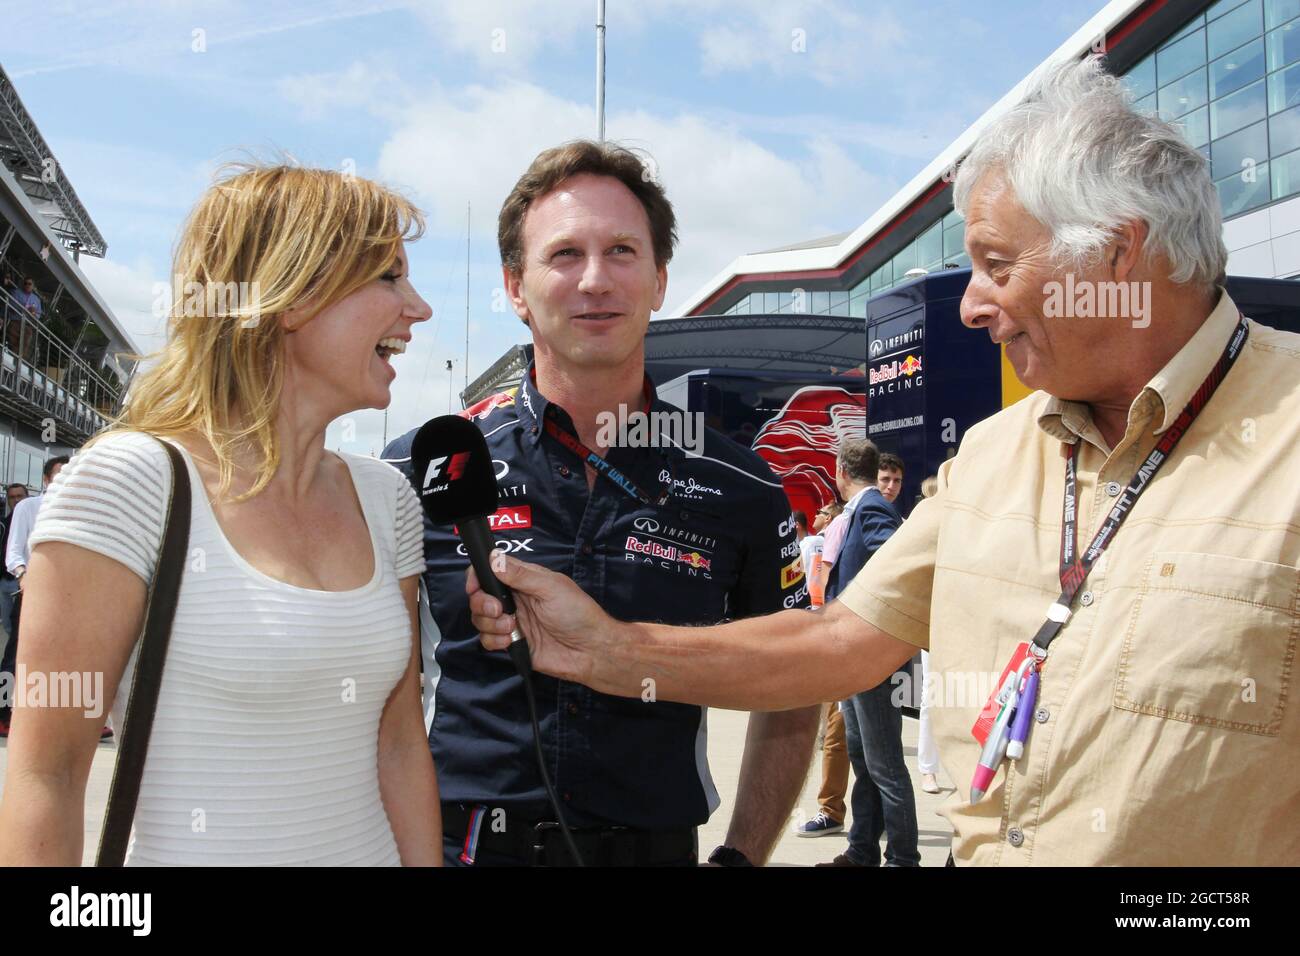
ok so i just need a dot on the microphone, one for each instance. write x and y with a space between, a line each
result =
451 469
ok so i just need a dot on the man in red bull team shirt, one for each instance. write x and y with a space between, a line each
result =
644 528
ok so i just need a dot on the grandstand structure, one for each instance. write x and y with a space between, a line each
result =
63 365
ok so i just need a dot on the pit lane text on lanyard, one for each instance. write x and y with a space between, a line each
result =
572 442
1014 686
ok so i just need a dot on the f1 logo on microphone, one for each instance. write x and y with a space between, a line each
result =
454 470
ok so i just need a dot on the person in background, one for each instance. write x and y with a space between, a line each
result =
927 751
17 531
15 493
890 478
29 299
810 549
835 756
890 483
882 798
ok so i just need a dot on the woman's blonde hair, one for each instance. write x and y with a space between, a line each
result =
262 241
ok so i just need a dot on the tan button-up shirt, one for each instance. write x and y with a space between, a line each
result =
1164 733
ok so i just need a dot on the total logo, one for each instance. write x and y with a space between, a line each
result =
505 545
892 370
668 552
509 518
794 599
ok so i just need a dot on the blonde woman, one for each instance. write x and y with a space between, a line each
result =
288 728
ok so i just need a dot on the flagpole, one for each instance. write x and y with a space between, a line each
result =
600 70
467 220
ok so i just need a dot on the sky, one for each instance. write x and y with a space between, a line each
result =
769 122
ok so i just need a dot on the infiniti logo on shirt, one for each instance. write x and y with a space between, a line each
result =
646 524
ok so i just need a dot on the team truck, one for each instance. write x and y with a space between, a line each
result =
929 378
925 379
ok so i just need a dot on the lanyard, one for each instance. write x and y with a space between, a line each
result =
571 441
1075 567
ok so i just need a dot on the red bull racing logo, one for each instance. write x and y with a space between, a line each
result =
892 370
667 552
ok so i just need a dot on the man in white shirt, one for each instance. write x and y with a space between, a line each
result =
17 555
14 493
24 519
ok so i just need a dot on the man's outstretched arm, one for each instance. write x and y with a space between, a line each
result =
794 658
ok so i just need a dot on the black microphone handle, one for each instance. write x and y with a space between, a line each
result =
479 544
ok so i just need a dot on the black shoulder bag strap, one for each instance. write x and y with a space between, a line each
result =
161 609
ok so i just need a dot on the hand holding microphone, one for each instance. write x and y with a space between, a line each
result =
454 478
564 626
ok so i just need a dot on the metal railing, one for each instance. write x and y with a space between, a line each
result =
42 378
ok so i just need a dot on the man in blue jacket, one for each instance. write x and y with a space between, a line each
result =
650 529
882 799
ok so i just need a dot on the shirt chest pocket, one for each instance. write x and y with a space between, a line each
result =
1211 640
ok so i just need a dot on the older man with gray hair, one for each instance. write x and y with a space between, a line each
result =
1118 551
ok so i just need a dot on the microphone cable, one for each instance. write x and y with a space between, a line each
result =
453 476
523 661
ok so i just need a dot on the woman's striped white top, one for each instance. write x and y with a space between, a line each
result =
265 743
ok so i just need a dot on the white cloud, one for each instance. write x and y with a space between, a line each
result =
360 86
830 42
472 144
129 290
732 195
507 34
